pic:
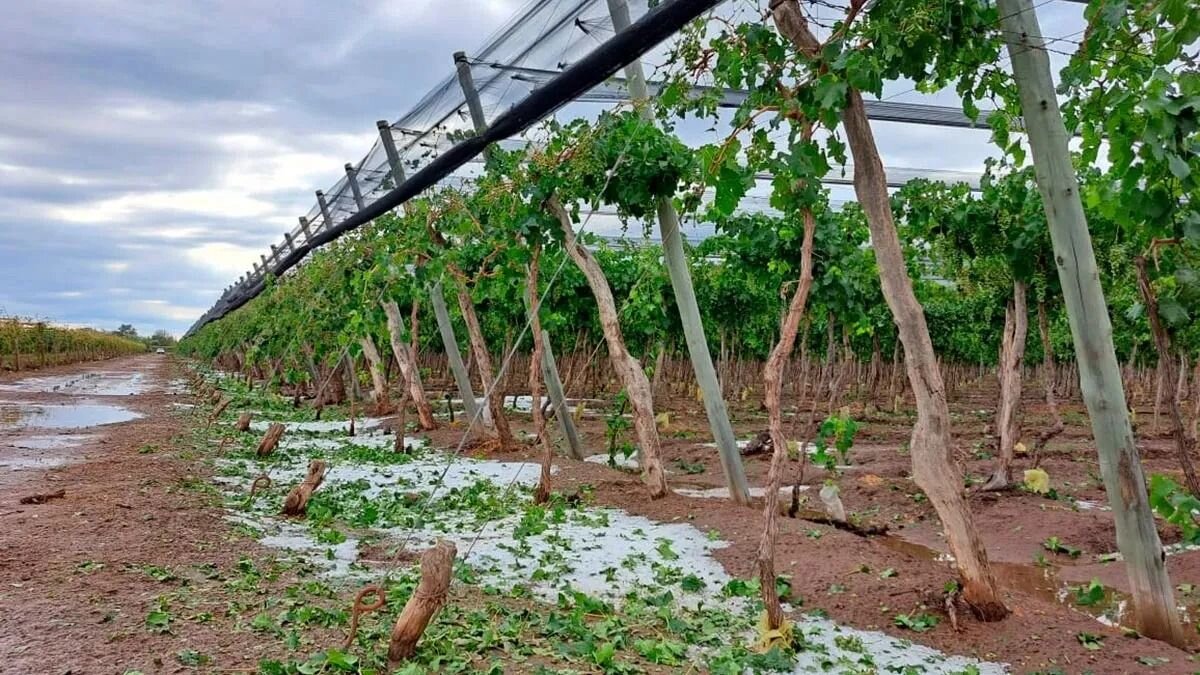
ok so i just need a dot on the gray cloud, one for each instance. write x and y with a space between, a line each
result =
149 152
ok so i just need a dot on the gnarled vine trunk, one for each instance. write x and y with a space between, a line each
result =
408 365
1008 371
1056 422
628 369
1166 371
535 381
483 358
375 366
773 389
933 469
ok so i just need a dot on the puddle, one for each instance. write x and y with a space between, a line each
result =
50 442
723 493
70 416
92 384
32 463
1106 605
622 462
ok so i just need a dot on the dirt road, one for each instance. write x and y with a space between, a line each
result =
126 571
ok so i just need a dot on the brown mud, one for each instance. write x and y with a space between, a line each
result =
77 585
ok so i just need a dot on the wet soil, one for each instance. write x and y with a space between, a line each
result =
76 577
866 581
76 588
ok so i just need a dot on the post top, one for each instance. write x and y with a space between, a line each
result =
303 220
460 57
320 194
383 124
349 166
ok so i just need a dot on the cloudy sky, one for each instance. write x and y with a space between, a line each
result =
150 151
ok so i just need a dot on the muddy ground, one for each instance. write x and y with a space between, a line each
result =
80 581
841 572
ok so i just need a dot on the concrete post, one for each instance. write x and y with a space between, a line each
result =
324 205
554 387
1154 612
393 155
472 95
558 399
462 379
352 179
685 298
305 227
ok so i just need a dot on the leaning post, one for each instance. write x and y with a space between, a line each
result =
549 367
462 379
1091 328
685 298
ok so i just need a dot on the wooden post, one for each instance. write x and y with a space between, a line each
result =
685 298
1154 612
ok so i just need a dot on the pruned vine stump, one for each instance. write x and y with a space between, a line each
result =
296 503
436 565
270 440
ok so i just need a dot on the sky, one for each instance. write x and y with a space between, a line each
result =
149 152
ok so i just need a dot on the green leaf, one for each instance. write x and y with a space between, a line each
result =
1090 641
1178 167
1173 312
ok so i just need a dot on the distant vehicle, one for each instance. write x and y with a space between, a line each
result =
160 350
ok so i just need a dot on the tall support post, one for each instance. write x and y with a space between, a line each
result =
685 298
306 228
265 267
467 82
389 147
352 178
274 253
291 245
1091 328
554 388
327 221
462 379
558 399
